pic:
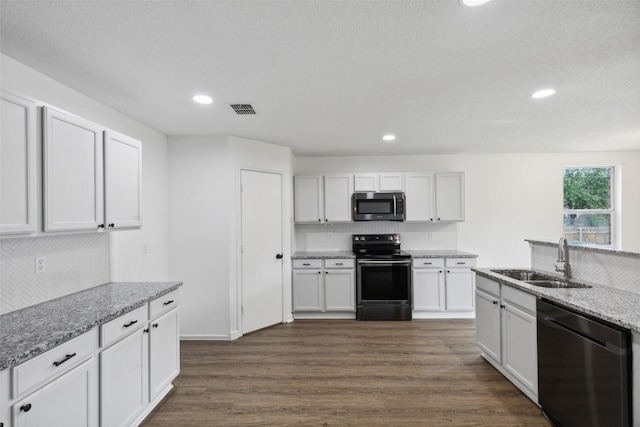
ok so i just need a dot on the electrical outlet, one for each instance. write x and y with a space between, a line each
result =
429 235
40 264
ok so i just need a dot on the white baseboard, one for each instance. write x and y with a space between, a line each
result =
206 337
444 315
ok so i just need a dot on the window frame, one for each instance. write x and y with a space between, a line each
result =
611 211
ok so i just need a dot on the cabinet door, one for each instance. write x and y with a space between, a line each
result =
337 198
519 343
308 199
460 289
366 182
339 290
488 335
450 196
124 380
17 165
123 180
419 192
428 289
391 182
307 290
69 401
73 169
164 352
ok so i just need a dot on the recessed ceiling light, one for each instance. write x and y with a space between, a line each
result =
389 138
202 99
473 3
543 93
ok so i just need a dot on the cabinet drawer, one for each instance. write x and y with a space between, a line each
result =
163 304
461 262
123 325
518 297
339 263
52 364
307 263
428 262
488 286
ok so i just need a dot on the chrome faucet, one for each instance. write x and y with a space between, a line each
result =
562 263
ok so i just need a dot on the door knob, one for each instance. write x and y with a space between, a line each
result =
279 256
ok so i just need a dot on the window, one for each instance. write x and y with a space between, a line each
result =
588 205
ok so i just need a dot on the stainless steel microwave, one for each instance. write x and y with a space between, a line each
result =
378 206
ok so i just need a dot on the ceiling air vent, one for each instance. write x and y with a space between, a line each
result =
242 109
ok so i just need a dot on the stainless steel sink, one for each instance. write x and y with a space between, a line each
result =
541 280
557 284
523 275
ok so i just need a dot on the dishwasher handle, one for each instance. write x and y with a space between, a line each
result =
575 331
611 337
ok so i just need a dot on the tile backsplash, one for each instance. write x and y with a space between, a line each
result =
414 236
615 269
73 263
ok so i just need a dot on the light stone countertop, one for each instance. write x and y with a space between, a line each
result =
33 330
613 305
322 254
440 253
435 253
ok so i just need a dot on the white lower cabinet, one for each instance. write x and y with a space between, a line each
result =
339 290
506 332
56 388
124 371
443 287
164 353
324 286
137 370
69 401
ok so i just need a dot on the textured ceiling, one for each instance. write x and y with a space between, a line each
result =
331 77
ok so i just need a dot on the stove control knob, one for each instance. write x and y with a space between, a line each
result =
390 237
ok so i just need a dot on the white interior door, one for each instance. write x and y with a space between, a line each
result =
262 275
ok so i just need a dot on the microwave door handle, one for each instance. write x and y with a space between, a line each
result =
394 206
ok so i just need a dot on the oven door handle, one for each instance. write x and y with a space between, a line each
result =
364 262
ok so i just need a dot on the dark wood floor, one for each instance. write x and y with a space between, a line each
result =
335 372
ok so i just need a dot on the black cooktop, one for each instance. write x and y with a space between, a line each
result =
378 246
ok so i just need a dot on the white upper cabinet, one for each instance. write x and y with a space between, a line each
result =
378 182
430 197
123 180
391 182
450 196
322 198
73 172
434 197
309 199
92 176
337 198
17 165
420 200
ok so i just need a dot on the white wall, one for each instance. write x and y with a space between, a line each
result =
204 175
127 260
201 192
509 197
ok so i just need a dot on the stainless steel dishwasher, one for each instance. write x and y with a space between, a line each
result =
584 369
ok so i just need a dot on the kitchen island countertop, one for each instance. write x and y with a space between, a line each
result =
613 305
33 330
